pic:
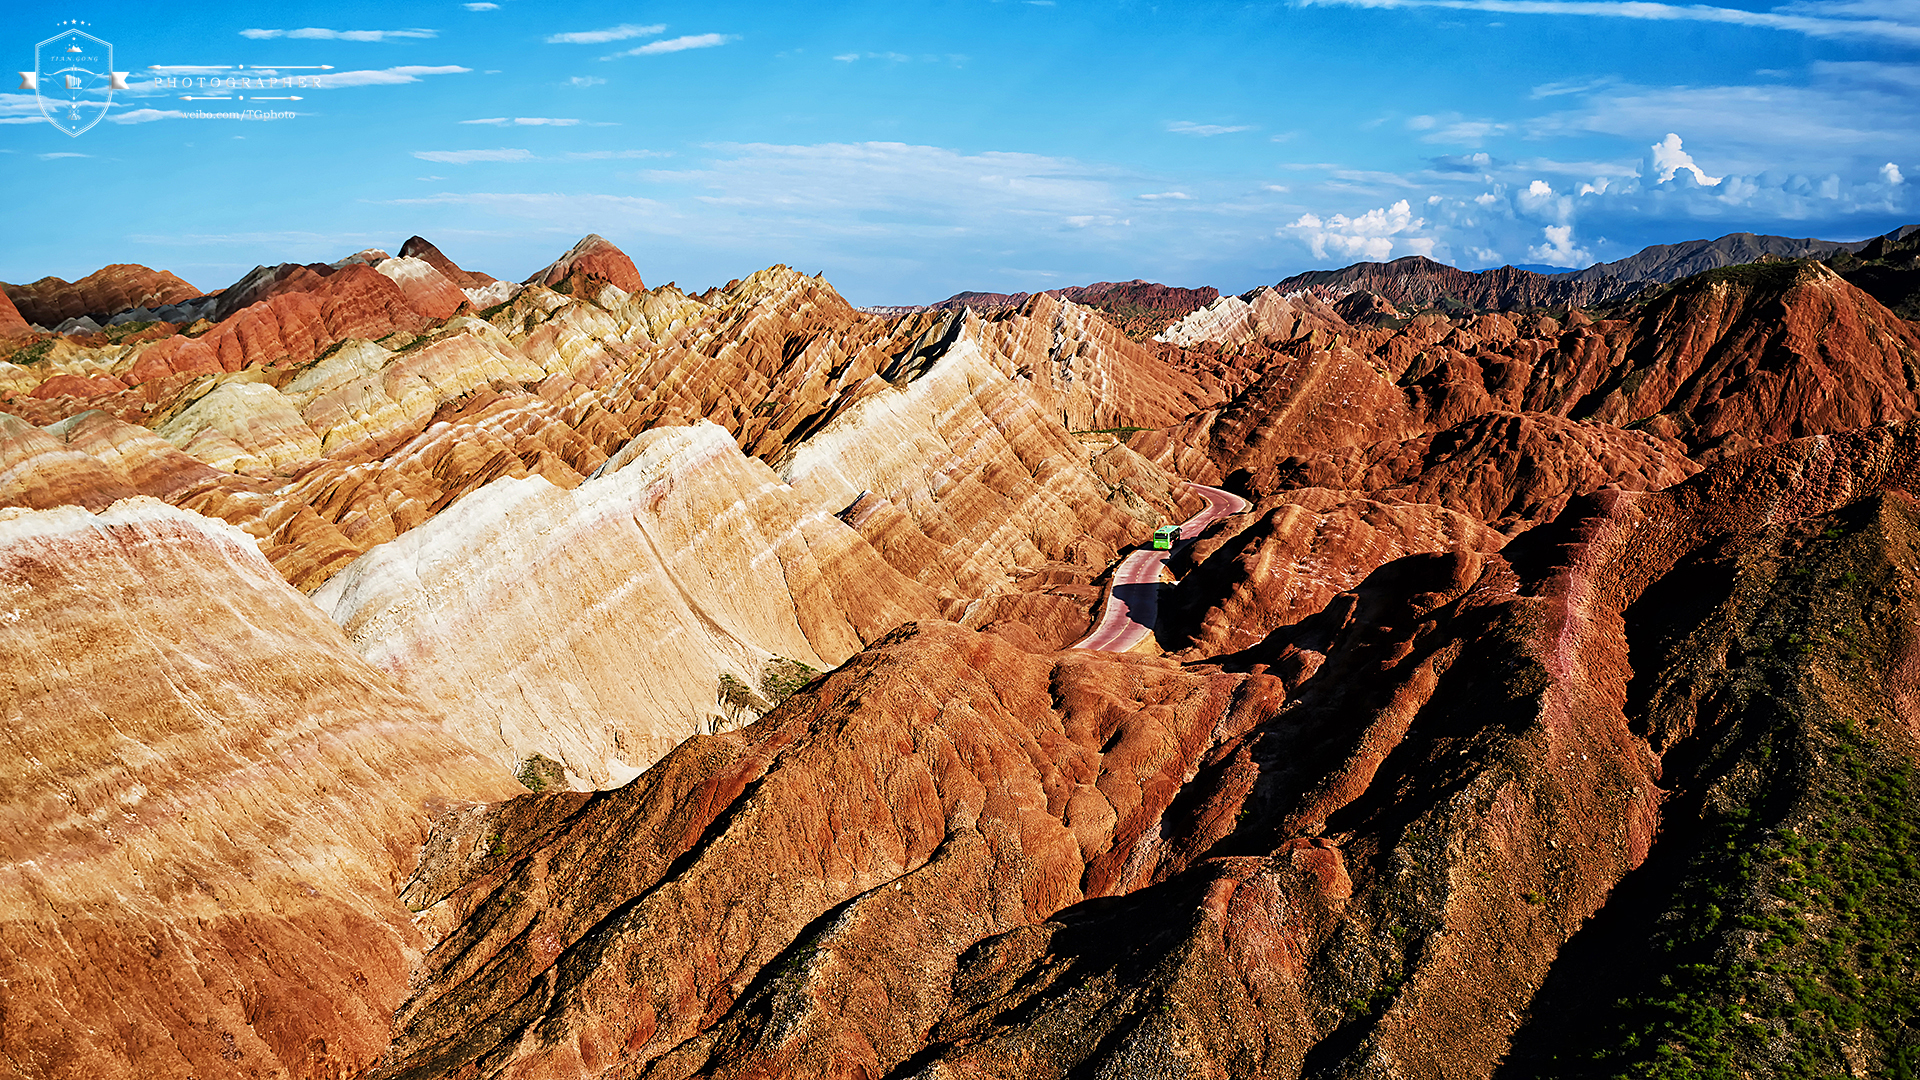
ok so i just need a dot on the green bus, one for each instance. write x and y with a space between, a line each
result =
1164 536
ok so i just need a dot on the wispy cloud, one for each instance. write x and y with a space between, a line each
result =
584 81
481 7
61 154
955 59
600 37
614 155
320 33
525 121
468 157
1180 195
146 116
1188 127
393 76
1813 20
679 44
1455 129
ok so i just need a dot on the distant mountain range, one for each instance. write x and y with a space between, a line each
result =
1884 266
1418 282
1138 308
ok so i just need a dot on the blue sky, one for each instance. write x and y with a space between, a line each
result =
912 150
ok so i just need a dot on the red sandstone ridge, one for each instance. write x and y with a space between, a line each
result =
1489 653
1751 355
11 323
596 259
107 291
1360 847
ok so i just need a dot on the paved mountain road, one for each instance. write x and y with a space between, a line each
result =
1133 598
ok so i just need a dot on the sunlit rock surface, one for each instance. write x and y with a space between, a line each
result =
210 801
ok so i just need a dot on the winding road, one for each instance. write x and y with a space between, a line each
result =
1133 600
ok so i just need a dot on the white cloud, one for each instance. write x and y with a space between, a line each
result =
584 81
524 121
1188 127
600 37
1166 195
1457 130
61 154
848 57
393 76
146 116
1559 249
1891 173
679 44
1903 29
1371 235
1666 158
614 155
468 157
322 34
481 7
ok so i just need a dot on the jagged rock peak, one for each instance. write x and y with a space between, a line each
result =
594 257
418 247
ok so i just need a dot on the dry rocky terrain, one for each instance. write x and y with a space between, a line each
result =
413 673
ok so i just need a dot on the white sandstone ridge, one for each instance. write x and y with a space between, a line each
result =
1232 320
22 530
988 478
195 759
592 625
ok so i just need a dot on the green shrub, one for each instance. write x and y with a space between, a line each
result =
541 773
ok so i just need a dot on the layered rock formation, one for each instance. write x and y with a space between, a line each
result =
11 323
1546 638
210 800
103 293
593 260
590 625
1136 308
1366 864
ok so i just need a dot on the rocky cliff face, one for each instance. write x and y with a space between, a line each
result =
1545 640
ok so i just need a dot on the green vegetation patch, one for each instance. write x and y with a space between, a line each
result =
34 353
1789 947
541 773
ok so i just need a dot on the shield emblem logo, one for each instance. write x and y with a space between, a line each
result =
74 80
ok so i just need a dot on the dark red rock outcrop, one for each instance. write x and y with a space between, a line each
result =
593 259
1757 354
107 291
